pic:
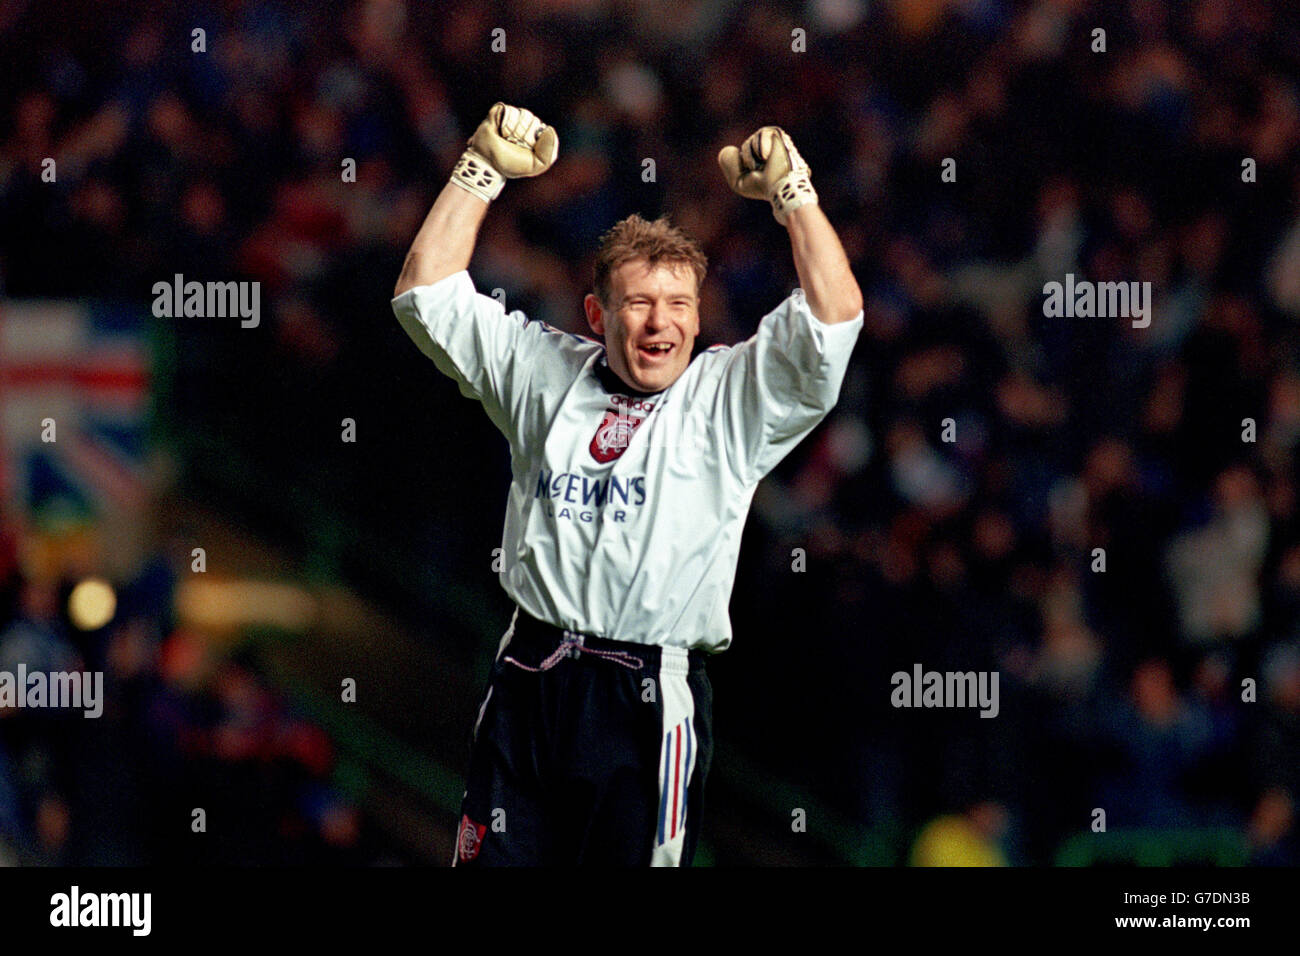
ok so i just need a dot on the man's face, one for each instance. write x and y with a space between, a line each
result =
648 309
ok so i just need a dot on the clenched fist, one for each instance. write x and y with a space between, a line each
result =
511 143
767 166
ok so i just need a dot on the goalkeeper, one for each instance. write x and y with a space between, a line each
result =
634 466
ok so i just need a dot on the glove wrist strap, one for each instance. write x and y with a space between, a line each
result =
475 174
792 190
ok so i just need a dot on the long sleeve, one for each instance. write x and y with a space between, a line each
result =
490 353
778 384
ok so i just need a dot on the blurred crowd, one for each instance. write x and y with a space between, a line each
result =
1113 526
193 759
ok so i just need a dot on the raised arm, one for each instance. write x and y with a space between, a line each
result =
509 144
445 243
824 273
767 166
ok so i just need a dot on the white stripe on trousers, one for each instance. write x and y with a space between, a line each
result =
678 753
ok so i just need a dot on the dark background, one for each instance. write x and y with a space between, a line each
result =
1120 689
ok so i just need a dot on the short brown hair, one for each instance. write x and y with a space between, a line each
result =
656 242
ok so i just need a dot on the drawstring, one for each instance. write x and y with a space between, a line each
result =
572 646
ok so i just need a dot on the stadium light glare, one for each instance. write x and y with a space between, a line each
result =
91 604
241 603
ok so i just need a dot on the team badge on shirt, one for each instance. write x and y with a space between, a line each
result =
614 433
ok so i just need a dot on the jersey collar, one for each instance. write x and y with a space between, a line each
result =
610 381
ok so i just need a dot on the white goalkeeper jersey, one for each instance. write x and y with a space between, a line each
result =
626 509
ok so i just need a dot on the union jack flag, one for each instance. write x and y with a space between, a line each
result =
87 367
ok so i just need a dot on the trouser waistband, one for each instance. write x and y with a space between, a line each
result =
536 645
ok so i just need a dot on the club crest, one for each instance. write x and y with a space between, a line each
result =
470 839
617 426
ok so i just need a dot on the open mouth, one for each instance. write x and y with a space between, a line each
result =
656 351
